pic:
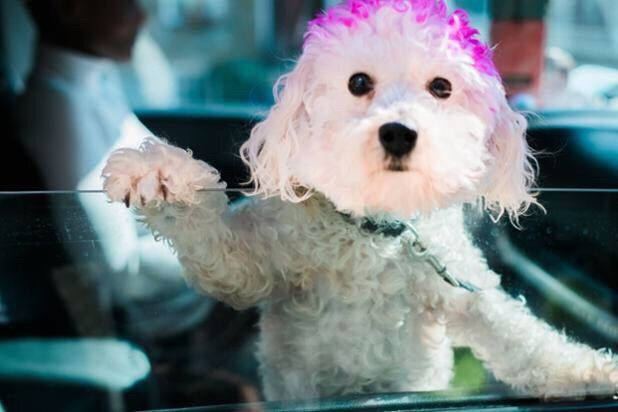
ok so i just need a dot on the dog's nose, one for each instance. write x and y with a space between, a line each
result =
397 139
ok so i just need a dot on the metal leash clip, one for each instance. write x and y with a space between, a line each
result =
419 251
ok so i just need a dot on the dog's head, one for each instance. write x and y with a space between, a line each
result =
393 108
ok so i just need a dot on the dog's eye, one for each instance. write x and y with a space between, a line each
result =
360 84
440 88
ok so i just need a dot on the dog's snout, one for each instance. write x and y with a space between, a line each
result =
397 139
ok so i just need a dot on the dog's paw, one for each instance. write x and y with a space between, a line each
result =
600 376
610 373
156 173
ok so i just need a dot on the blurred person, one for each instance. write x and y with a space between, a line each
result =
513 24
71 116
555 80
73 110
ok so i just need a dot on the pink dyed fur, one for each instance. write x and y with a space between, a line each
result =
457 25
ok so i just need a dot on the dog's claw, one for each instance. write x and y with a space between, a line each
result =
164 192
127 200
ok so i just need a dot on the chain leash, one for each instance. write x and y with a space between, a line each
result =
419 251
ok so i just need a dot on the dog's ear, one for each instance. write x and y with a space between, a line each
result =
513 172
274 141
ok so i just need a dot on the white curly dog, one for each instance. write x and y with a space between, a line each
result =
393 112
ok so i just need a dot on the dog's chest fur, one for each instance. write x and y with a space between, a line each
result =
362 316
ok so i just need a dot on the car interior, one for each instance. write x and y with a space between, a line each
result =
563 259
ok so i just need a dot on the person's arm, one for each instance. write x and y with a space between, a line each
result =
142 267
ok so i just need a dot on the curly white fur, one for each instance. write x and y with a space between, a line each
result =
344 311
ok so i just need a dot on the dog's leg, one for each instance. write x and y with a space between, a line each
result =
518 348
525 352
170 192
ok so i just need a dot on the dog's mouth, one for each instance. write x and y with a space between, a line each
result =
396 165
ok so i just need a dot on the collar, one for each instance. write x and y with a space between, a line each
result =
371 226
417 249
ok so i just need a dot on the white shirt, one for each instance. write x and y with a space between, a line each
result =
72 115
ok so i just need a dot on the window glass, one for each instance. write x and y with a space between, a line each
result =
121 336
